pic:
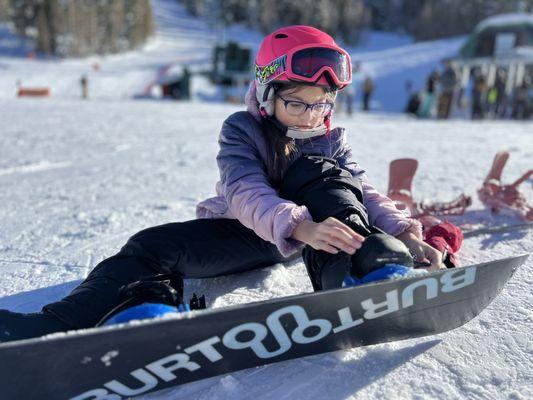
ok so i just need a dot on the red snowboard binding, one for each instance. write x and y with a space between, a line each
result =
442 235
401 174
497 196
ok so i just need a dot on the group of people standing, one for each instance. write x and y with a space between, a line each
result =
431 101
487 100
492 101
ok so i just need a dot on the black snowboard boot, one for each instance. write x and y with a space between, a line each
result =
378 250
328 271
164 289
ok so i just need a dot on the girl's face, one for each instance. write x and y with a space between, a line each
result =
308 94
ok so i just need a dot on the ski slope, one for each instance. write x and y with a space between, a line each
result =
77 178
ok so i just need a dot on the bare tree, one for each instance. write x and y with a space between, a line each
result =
5 6
81 27
338 17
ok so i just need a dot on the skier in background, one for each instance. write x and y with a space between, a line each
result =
283 141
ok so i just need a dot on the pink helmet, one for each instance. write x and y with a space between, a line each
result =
303 54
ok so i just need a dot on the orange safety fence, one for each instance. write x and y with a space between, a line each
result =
35 92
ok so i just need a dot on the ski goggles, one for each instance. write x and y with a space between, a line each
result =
307 64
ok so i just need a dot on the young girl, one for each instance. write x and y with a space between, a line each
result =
299 70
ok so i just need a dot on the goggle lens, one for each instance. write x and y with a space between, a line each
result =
308 62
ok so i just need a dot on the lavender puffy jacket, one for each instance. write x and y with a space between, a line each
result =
244 193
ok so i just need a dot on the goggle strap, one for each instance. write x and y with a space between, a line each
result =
266 92
330 80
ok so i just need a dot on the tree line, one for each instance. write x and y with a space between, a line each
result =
423 19
427 19
81 27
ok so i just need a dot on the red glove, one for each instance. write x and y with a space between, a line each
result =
447 238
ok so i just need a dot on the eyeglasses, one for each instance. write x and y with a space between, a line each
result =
297 108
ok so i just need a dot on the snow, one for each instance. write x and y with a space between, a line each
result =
506 19
78 178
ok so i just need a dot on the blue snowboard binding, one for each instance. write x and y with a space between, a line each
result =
151 298
142 311
381 257
388 271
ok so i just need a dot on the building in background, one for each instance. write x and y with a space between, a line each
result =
500 52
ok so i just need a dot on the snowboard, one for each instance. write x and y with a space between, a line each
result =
128 360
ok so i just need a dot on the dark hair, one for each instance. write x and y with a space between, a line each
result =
281 149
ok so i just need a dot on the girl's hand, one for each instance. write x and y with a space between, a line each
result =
330 235
421 250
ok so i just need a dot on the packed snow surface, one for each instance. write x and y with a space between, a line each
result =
77 178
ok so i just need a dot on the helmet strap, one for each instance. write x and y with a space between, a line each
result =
330 80
265 98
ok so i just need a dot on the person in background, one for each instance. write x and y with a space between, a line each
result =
413 99
432 81
479 96
428 98
492 98
84 83
185 84
500 110
368 89
448 82
521 100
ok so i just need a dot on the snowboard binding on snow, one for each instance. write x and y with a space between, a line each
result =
401 174
152 298
497 196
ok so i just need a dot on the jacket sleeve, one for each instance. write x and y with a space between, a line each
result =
382 212
250 197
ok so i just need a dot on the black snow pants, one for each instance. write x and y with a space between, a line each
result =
193 249
209 247
328 191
